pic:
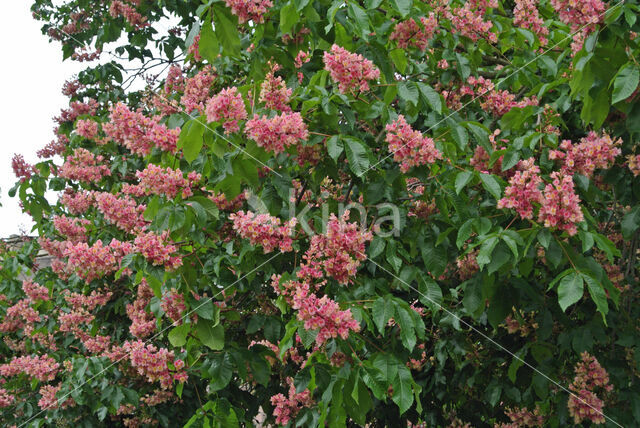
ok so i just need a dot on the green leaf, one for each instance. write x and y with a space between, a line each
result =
399 59
383 309
491 185
408 92
625 82
288 18
357 155
516 363
598 295
402 393
208 46
431 97
430 292
484 255
464 232
360 18
212 337
630 222
246 169
570 290
335 147
191 139
402 6
178 335
226 26
510 159
407 329
220 371
462 179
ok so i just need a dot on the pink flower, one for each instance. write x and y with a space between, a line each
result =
5 399
560 204
287 408
264 230
410 148
274 92
84 166
142 322
336 254
21 168
173 306
96 261
228 108
41 367
351 71
443 64
122 211
196 91
409 33
77 202
74 229
593 152
249 10
87 128
526 15
158 249
153 363
35 291
277 133
523 189
154 180
301 58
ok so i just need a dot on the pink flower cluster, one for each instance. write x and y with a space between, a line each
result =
277 133
77 202
274 92
526 15
249 10
48 398
142 322
498 102
96 261
410 148
5 398
591 153
224 204
286 408
173 306
87 128
633 163
561 206
158 249
196 91
323 314
74 229
123 211
336 254
523 417
76 109
468 21
154 180
228 108
153 363
21 168
139 133
126 9
409 33
35 291
350 70
590 375
84 166
523 189
578 13
43 368
264 230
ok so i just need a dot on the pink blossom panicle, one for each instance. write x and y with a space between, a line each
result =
351 71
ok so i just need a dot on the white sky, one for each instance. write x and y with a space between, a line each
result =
32 75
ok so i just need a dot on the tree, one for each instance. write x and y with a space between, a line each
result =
385 213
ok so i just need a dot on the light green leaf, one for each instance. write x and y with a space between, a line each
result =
408 92
357 155
598 295
570 290
462 179
402 393
491 185
625 82
288 18
178 335
191 140
212 337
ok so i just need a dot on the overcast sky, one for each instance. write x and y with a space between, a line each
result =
32 75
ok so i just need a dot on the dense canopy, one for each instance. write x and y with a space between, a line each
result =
328 213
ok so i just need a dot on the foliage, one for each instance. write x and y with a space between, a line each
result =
206 273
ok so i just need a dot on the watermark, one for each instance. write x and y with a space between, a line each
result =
387 217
